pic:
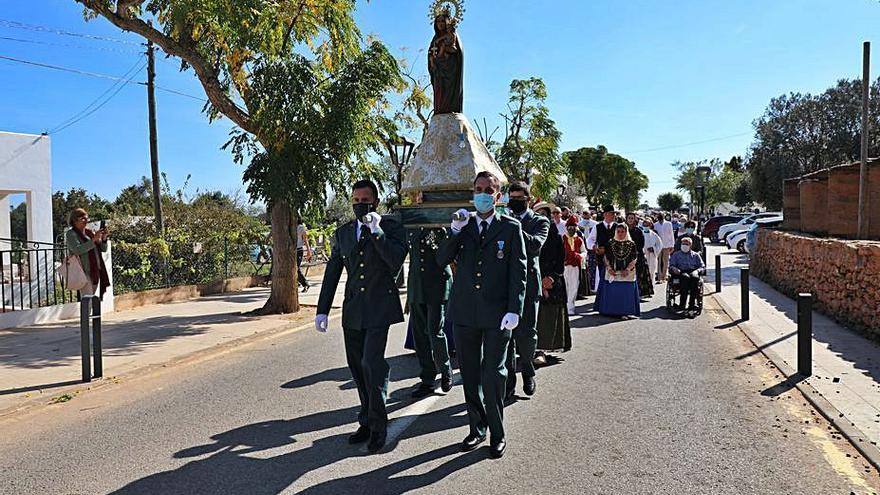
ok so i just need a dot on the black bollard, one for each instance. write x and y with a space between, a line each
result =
805 333
717 273
97 354
744 296
84 314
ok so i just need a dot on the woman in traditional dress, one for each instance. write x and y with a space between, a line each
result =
646 285
620 291
554 329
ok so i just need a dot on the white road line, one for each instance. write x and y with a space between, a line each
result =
408 415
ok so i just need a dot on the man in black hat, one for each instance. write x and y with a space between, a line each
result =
600 236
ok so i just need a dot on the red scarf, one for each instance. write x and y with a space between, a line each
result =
98 273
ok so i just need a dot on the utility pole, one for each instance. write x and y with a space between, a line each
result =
863 166
154 151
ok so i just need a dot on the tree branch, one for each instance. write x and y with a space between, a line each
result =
123 7
208 75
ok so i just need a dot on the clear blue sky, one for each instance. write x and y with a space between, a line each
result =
634 76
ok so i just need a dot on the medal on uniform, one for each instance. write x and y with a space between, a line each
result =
500 253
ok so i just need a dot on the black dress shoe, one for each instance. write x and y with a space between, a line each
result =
360 436
529 385
471 442
496 450
377 441
446 383
423 390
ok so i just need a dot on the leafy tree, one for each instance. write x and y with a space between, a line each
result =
18 222
800 133
606 177
63 203
725 182
530 151
136 199
670 201
294 77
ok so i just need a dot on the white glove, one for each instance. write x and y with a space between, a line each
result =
457 225
373 221
510 321
321 323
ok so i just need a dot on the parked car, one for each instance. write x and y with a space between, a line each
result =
710 228
739 239
744 224
752 236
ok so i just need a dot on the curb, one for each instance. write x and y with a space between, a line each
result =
32 405
848 429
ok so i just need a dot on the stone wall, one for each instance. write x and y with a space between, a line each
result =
844 276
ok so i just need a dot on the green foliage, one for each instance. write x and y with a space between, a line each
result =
321 129
605 177
727 182
530 151
669 201
18 222
63 203
801 133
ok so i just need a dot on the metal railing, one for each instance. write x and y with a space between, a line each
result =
30 275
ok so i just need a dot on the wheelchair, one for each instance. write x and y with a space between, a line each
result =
673 293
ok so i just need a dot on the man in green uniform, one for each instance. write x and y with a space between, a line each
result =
371 249
485 306
525 336
427 292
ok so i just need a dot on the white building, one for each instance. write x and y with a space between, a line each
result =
26 167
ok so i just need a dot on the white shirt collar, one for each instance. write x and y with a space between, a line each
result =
488 221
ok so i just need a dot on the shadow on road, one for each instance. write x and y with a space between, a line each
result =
234 467
783 386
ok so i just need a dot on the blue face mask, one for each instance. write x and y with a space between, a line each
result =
483 202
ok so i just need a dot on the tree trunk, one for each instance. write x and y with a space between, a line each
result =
284 297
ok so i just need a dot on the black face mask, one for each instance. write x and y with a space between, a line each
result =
362 209
517 205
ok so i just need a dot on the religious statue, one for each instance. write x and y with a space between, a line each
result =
446 59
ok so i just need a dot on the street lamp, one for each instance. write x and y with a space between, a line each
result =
702 175
402 151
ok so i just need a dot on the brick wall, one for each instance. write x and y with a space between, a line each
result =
844 276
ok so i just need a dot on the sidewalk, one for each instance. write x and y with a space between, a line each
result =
846 366
40 362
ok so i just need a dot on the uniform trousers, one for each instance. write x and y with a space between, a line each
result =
524 341
481 356
365 353
429 340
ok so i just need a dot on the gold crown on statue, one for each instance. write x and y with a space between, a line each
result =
444 8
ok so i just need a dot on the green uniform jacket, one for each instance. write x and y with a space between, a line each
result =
428 282
371 296
486 285
535 229
77 246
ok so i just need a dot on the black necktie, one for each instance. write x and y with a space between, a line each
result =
484 225
365 233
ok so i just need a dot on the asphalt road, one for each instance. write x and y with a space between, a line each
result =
657 405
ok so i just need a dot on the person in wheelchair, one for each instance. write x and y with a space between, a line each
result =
686 266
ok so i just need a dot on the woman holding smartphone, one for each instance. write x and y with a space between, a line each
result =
88 245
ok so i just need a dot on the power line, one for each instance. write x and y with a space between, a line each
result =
675 146
68 45
46 29
98 75
88 110
63 69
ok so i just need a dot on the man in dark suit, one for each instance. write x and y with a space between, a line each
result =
371 249
600 236
485 305
535 229
427 293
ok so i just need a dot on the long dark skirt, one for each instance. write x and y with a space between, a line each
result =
591 272
646 285
554 329
619 299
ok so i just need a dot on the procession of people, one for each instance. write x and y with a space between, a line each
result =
498 289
